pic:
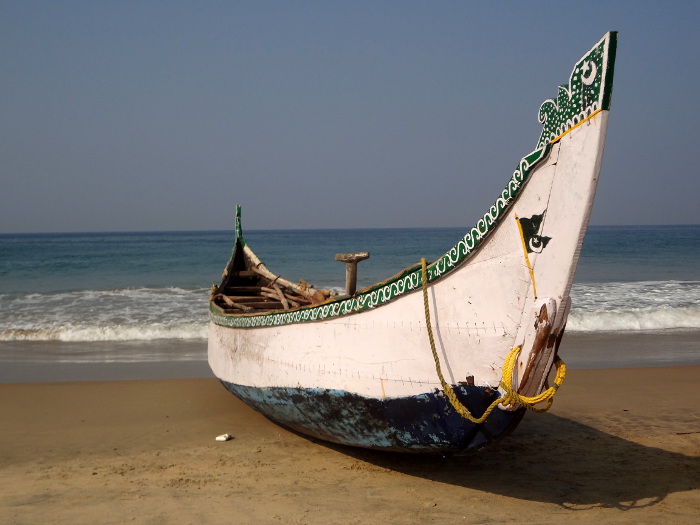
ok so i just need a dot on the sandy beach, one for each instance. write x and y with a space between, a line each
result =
619 445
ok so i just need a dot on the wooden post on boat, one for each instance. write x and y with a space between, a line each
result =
351 260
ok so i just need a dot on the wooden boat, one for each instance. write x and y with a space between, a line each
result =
446 356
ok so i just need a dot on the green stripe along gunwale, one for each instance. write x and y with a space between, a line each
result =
409 280
589 90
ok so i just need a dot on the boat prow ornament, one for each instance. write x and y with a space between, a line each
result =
486 319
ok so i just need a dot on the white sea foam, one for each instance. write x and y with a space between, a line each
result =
150 314
105 315
78 333
665 318
645 305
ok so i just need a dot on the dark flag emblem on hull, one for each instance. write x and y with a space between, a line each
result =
531 228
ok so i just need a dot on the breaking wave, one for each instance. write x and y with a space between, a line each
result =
142 314
645 305
648 319
149 314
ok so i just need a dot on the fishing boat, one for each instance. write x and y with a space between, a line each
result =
445 356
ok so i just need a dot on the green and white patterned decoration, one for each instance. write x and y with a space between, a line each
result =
588 91
409 280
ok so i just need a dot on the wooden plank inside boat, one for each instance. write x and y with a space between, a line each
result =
250 287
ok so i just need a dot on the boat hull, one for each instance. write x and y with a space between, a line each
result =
375 369
368 378
424 423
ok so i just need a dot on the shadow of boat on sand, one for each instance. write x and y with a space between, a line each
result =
552 459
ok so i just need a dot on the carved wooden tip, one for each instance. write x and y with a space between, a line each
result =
354 257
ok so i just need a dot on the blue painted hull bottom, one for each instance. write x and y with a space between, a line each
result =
425 423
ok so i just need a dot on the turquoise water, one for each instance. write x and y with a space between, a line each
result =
121 287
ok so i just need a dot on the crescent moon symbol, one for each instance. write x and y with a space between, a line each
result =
590 66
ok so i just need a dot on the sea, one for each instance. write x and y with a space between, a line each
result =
77 305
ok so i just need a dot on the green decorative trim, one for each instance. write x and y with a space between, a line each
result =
407 281
589 90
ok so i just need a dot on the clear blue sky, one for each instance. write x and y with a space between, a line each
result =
146 115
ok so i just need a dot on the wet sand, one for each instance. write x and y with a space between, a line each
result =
619 445
50 361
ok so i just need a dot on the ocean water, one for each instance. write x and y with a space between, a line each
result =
100 296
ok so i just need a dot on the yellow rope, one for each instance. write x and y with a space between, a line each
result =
511 397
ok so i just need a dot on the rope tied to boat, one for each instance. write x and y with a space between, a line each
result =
511 397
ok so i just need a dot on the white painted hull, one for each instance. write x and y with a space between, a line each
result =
479 312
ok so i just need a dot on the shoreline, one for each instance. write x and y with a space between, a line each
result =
46 361
618 445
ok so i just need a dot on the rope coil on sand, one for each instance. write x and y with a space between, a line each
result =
511 397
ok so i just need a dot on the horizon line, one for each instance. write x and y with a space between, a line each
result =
256 230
